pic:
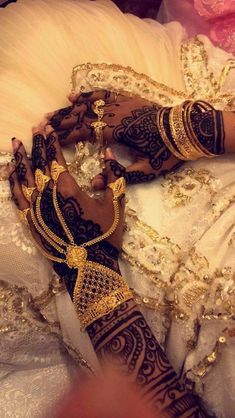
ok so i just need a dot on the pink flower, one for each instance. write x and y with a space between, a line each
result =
211 9
222 32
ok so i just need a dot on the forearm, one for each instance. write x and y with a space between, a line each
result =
229 130
124 338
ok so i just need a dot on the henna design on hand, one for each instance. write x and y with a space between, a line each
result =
209 129
38 160
140 132
21 168
50 147
132 177
83 230
124 337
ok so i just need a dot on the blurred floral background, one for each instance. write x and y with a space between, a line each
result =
141 8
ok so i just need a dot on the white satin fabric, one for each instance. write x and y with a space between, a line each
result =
41 41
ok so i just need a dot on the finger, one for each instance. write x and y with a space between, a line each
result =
74 118
39 158
138 172
53 149
55 118
92 96
16 190
23 169
80 132
110 174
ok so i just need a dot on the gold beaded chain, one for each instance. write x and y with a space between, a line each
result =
75 255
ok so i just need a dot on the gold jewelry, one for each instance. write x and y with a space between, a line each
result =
56 170
22 215
187 146
98 291
161 128
41 180
45 228
46 234
99 125
118 187
106 283
27 192
182 141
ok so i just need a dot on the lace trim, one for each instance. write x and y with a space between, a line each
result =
20 311
125 80
194 61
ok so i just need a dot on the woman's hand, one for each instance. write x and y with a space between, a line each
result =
45 193
129 121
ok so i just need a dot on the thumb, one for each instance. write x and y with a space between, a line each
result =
138 172
110 161
111 171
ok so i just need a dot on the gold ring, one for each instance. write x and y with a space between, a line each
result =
99 125
27 192
56 170
22 215
41 180
118 187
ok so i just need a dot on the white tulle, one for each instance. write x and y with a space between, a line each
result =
41 41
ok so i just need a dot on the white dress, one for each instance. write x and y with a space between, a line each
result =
182 270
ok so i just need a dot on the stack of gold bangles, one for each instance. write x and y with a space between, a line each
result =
177 131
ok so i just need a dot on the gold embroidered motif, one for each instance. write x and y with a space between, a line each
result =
181 187
195 66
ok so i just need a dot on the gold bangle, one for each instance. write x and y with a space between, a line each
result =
161 128
179 135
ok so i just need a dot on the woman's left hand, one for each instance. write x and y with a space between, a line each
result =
130 121
60 215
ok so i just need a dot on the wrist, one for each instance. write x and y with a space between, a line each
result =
97 292
105 254
97 288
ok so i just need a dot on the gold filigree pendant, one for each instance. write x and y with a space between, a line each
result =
76 256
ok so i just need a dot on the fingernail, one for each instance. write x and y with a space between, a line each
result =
49 129
15 144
